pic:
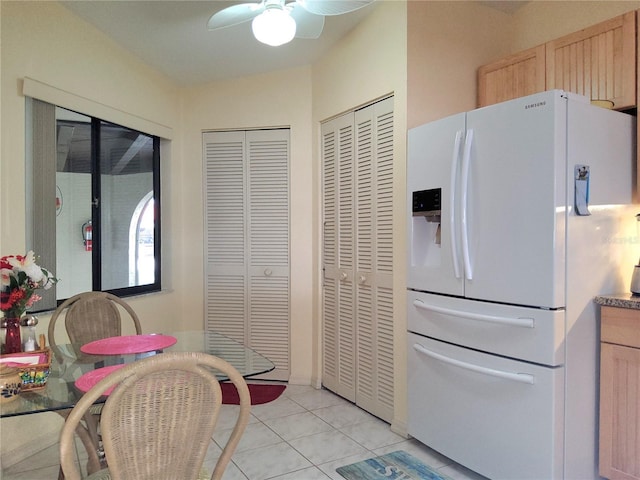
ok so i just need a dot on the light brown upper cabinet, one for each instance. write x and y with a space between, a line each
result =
511 77
598 62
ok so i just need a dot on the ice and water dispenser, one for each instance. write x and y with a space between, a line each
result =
425 228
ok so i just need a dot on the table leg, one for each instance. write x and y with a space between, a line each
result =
91 441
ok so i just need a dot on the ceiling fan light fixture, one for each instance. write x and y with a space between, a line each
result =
274 27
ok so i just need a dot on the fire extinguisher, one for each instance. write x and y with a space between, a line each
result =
87 236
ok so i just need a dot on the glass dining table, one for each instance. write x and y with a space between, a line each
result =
69 363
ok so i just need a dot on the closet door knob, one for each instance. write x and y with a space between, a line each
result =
343 276
267 272
362 279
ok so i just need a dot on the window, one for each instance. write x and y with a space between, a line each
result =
97 185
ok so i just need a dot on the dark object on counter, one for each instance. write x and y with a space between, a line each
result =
635 280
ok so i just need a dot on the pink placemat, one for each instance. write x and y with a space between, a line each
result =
128 344
89 379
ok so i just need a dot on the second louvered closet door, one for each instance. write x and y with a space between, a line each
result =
357 151
247 241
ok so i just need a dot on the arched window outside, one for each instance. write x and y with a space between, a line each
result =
141 243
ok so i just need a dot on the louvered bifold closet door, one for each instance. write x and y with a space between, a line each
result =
374 258
224 227
339 347
268 234
246 191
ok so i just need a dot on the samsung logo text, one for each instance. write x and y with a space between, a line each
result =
535 105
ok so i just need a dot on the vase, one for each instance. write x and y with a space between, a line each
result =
12 342
10 383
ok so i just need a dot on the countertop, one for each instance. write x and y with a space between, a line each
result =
623 300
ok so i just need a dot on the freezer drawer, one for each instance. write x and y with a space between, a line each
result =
529 334
501 418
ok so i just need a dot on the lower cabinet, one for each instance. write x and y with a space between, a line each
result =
620 394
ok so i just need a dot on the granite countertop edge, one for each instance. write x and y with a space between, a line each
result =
625 300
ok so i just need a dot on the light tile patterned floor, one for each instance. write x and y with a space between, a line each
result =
304 435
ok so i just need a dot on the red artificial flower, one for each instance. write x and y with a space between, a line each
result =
19 278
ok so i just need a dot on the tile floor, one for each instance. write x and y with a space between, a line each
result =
303 435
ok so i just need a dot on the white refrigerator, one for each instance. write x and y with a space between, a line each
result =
520 213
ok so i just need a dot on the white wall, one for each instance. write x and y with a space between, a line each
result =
45 42
447 41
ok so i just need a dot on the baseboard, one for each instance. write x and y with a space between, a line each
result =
299 380
399 428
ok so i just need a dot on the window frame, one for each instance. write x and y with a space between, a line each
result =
36 236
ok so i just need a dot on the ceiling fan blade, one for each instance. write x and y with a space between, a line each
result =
235 15
308 25
333 7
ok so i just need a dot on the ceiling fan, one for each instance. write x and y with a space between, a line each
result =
276 22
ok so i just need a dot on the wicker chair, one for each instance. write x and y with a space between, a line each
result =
91 316
158 421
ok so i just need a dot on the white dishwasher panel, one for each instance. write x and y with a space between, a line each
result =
499 417
530 334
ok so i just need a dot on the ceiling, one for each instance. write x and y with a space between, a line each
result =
172 37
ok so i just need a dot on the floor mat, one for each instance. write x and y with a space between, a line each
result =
392 466
259 393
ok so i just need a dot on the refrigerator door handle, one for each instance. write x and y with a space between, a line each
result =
508 321
464 190
452 204
516 377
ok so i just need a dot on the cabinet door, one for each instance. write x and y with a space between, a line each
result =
374 258
514 76
619 412
598 62
246 229
224 231
268 246
357 323
339 343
